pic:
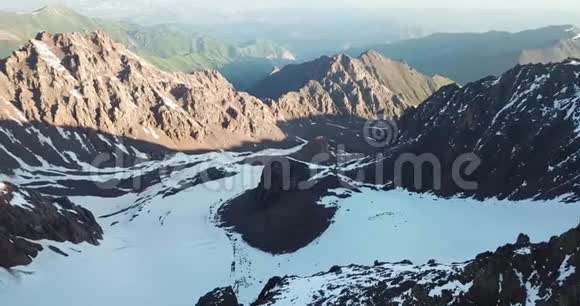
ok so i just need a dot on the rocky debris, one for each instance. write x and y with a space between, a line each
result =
219 297
365 87
283 213
518 274
27 216
523 126
85 80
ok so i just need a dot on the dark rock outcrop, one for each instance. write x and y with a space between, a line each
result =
283 213
219 297
518 274
523 127
27 216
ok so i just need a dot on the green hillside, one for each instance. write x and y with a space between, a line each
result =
172 47
466 57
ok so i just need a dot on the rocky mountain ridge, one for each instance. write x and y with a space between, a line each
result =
171 46
468 57
567 47
522 127
367 87
74 90
88 81
523 273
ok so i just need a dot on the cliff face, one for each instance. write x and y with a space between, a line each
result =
27 216
523 128
88 81
367 87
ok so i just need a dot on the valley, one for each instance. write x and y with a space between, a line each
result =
166 244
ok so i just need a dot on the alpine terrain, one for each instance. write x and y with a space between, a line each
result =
171 47
339 181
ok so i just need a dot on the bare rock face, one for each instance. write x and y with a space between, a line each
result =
283 213
522 129
219 297
366 87
27 216
88 81
515 274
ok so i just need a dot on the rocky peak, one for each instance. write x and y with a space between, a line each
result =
346 86
86 80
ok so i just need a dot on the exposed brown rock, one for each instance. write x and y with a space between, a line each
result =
88 81
367 87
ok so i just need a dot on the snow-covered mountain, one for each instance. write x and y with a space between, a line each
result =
523 127
177 224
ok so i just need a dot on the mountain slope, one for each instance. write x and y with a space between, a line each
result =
341 85
468 57
54 18
28 217
172 47
523 127
163 207
515 274
564 49
88 81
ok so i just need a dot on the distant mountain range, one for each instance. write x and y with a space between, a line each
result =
171 47
467 57
86 80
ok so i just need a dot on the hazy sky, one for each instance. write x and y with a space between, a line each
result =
440 15
253 5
